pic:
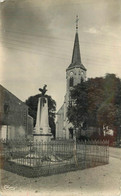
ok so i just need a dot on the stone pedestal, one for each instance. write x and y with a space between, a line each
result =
42 131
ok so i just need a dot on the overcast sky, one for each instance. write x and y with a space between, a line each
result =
36 42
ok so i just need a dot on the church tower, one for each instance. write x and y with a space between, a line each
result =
75 73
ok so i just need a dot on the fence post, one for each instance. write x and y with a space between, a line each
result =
107 148
85 149
30 152
75 149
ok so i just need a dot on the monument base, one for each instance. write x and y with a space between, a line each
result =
41 142
42 137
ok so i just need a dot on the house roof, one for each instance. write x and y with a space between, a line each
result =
5 90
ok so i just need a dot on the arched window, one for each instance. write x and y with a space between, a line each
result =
71 83
71 133
82 80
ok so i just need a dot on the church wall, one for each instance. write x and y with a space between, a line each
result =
68 125
60 123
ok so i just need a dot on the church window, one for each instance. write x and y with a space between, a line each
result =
82 80
71 83
70 133
82 73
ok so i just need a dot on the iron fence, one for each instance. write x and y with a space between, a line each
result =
54 157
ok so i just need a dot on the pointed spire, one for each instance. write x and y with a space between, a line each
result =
76 50
76 57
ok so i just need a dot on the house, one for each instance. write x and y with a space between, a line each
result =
15 123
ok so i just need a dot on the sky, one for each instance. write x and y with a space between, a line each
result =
37 37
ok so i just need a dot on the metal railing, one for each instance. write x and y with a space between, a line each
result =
55 156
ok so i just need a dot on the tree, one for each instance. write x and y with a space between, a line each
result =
32 102
97 102
87 97
106 115
95 98
77 109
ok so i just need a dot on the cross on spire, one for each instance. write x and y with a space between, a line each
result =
77 19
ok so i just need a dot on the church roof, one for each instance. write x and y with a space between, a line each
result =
76 57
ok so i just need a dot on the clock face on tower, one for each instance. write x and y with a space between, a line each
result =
71 73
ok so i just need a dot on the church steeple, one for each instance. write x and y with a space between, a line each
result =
76 57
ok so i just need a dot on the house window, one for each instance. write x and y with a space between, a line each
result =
71 83
6 108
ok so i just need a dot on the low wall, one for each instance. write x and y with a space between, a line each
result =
43 159
32 172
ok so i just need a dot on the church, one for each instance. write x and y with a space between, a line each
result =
75 73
